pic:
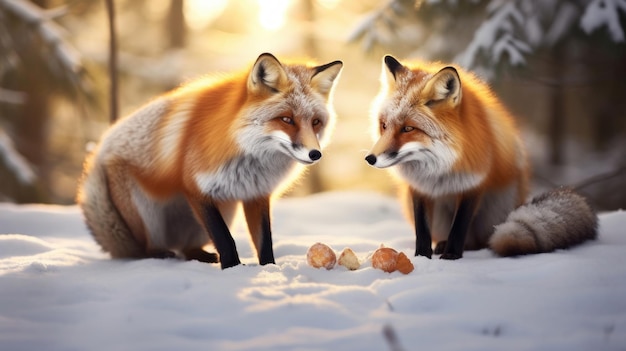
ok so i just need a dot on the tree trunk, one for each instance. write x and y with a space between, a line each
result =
176 28
31 127
113 90
556 124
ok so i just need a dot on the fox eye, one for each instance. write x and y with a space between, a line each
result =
407 129
316 122
287 120
383 125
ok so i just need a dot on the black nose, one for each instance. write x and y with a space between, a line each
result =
371 159
315 155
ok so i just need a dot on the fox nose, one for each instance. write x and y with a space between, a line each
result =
315 155
371 159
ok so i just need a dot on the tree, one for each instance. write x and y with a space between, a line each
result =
36 64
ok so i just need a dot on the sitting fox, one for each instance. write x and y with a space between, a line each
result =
459 155
166 180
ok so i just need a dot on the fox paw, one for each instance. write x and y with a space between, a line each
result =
201 255
450 256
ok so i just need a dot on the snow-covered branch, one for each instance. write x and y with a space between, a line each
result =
495 37
381 26
600 13
511 31
520 27
14 161
51 33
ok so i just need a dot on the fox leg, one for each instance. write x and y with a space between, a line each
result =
423 240
460 225
124 192
194 249
257 214
207 211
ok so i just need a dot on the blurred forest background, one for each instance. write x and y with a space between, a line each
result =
559 65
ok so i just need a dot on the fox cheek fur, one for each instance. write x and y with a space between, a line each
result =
458 154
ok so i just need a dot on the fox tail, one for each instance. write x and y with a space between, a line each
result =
557 219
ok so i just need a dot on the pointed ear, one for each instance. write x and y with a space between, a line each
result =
324 76
267 74
444 86
394 66
392 70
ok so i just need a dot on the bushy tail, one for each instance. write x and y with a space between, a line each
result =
557 219
102 217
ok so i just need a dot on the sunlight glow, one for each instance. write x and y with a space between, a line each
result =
272 13
329 4
200 13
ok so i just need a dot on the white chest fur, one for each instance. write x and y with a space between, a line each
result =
246 176
438 184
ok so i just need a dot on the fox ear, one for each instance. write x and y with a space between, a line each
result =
324 76
394 66
267 74
445 85
392 70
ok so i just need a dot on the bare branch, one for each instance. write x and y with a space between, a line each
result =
113 91
599 178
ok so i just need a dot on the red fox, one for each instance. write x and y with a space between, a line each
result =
459 153
166 180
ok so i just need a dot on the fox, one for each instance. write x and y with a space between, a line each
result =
462 167
167 180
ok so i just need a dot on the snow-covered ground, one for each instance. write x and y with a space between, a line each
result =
59 292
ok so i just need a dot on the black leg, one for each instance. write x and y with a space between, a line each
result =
267 252
460 225
222 239
257 214
423 241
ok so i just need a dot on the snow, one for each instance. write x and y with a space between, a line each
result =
601 13
15 162
59 292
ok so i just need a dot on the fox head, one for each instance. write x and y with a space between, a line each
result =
414 117
289 108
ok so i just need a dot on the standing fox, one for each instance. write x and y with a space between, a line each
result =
167 179
459 153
